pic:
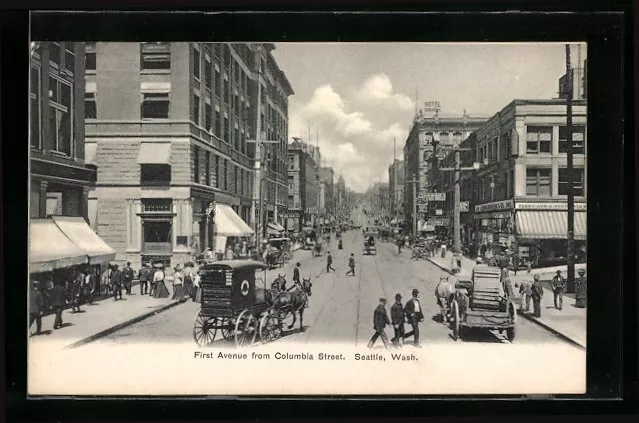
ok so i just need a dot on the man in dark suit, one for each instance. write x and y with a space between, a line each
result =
397 318
127 272
380 320
296 273
414 315
35 307
58 299
116 280
144 275
537 292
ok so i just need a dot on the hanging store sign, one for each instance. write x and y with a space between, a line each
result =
439 221
498 205
549 206
433 196
463 206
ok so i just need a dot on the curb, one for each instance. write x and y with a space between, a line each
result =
530 318
119 326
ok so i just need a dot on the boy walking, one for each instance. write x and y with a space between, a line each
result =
329 263
351 265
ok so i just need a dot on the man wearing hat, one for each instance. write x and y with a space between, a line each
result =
558 287
525 290
380 320
35 307
397 318
296 273
127 272
144 275
414 315
537 291
116 281
580 289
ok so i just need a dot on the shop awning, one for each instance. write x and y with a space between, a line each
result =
154 153
549 224
275 226
77 230
228 223
50 248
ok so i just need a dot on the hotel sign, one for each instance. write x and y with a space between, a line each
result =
433 196
496 206
549 206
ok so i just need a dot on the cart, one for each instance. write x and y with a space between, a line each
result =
369 244
480 303
279 252
233 305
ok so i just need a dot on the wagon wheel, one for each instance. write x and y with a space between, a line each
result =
245 329
456 322
204 330
270 327
226 327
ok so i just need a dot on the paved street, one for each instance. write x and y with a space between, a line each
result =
341 307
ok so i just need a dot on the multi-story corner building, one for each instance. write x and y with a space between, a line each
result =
518 196
60 180
167 124
432 134
327 176
304 186
396 189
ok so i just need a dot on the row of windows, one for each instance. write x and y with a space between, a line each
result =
60 112
241 181
538 182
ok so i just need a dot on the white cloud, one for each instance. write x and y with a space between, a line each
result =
326 103
378 88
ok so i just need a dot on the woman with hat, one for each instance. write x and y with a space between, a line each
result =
580 289
178 284
159 289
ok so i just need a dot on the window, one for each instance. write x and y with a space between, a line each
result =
227 129
90 57
225 175
538 139
237 138
578 137
208 117
538 182
90 108
34 116
207 73
157 231
236 105
155 105
577 182
218 123
196 63
155 56
235 180
218 83
155 174
54 53
208 168
60 117
69 57
226 89
195 109
196 165
217 171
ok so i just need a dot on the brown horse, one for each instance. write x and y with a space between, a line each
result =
293 302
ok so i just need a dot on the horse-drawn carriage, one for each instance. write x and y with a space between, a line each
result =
385 234
278 252
369 244
243 312
317 249
310 238
480 303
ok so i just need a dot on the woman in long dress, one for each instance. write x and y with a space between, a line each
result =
178 285
161 290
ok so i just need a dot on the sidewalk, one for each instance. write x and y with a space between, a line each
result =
100 319
570 322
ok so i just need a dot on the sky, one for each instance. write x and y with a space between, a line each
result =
358 97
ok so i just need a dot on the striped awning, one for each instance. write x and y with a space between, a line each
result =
549 224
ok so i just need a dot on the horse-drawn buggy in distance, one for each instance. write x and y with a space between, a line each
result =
310 237
278 252
479 303
369 244
385 234
233 303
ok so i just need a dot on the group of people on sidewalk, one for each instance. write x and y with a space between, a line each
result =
410 313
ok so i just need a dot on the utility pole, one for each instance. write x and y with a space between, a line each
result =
570 245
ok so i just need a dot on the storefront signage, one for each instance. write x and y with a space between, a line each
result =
549 206
433 196
463 206
498 205
440 221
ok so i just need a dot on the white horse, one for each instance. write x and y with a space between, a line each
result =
444 293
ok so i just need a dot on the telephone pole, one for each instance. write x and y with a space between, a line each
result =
414 187
570 244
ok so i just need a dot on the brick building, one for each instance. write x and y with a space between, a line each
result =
304 186
432 133
167 125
